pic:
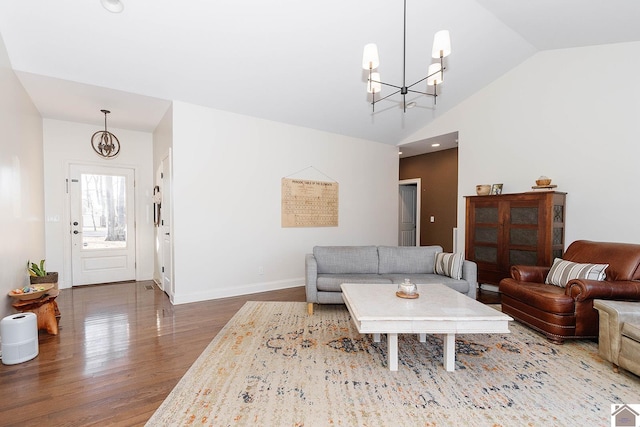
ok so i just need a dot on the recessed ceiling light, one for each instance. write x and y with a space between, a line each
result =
399 152
115 6
435 145
411 104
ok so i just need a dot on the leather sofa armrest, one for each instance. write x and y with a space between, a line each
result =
529 273
623 311
311 277
612 316
581 290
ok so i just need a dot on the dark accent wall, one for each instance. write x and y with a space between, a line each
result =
439 194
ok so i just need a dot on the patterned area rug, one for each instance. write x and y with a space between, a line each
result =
273 365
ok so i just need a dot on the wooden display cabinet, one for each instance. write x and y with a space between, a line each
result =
514 229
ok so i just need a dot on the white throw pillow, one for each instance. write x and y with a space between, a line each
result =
448 264
562 271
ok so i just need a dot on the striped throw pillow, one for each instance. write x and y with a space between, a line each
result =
562 271
448 264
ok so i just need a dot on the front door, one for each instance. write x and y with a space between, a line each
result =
102 229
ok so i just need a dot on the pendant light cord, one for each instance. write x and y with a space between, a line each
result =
404 59
404 46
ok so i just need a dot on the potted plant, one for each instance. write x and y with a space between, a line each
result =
38 274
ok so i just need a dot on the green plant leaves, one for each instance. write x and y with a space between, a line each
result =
35 269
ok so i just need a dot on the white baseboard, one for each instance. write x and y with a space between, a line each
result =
250 288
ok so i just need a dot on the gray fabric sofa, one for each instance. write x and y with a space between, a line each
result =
330 266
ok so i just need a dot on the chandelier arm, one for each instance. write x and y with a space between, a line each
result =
388 96
419 81
434 94
389 84
425 78
421 93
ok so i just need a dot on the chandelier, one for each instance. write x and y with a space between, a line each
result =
104 142
435 72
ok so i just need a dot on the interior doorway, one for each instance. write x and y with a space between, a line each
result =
102 226
409 212
165 230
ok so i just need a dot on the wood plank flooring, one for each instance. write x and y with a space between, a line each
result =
120 351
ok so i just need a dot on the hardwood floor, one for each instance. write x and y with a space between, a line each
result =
488 297
120 351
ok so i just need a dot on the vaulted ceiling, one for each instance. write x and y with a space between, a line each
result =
291 61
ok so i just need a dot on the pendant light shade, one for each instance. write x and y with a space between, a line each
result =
435 74
370 59
373 83
441 44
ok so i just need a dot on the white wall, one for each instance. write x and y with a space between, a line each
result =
163 138
570 114
21 183
227 172
66 143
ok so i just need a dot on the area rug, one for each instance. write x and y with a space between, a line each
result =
274 365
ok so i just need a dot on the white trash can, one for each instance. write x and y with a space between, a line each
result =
19 334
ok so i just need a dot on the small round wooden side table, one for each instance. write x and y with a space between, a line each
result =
46 310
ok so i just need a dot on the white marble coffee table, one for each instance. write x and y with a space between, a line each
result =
375 309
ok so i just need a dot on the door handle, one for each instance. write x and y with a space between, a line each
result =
75 222
166 234
76 232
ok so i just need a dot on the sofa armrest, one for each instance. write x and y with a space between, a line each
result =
470 274
529 273
613 315
581 290
311 277
622 311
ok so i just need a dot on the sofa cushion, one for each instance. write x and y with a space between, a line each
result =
407 259
631 331
346 259
448 264
562 271
332 282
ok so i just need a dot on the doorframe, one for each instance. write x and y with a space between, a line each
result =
418 183
166 184
67 256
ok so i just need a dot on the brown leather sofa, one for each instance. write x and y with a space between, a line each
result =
568 312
